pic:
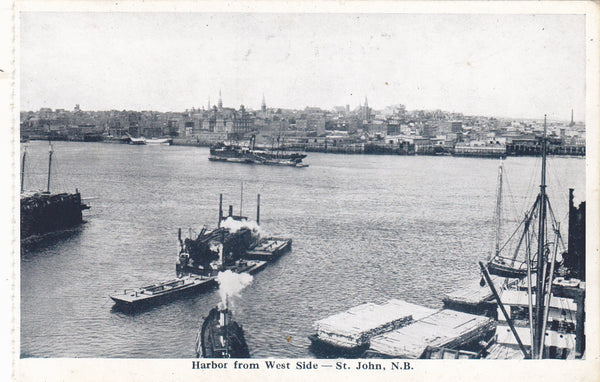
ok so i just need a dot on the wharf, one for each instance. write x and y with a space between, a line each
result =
446 328
353 329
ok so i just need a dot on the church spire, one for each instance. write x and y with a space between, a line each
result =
572 122
263 105
220 104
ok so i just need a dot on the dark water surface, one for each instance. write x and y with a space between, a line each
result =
364 229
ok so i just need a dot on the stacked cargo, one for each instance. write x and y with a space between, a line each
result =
355 327
447 328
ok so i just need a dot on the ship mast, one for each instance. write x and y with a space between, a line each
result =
23 170
49 165
538 344
498 210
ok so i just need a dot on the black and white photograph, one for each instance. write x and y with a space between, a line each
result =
339 192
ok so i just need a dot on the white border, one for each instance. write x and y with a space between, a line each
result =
172 370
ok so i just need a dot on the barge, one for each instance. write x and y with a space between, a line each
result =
350 332
162 291
447 329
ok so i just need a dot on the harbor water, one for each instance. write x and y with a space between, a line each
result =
364 229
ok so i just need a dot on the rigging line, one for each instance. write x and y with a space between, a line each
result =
555 225
532 188
554 174
510 194
529 216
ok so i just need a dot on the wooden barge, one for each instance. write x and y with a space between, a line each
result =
350 332
162 291
446 328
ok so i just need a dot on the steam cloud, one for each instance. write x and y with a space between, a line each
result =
231 284
235 225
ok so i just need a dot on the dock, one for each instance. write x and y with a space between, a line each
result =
354 328
443 329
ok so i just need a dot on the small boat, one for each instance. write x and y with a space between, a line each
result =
159 141
136 141
221 336
162 291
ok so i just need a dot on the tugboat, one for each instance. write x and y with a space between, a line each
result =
251 155
221 336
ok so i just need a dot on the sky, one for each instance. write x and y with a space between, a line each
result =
495 65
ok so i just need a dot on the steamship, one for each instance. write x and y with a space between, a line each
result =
224 152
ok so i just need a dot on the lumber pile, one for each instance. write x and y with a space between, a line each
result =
446 328
356 326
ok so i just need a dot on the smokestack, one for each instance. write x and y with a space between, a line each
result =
220 210
258 209
230 210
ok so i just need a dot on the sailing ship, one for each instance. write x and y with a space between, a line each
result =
44 213
533 322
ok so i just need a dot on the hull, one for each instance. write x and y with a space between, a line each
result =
44 213
507 271
328 349
239 154
221 337
250 266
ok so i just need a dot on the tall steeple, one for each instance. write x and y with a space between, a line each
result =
208 105
263 106
572 122
220 104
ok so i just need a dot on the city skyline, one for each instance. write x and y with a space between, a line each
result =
535 64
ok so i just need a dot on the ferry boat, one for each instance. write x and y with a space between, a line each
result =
225 152
162 291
